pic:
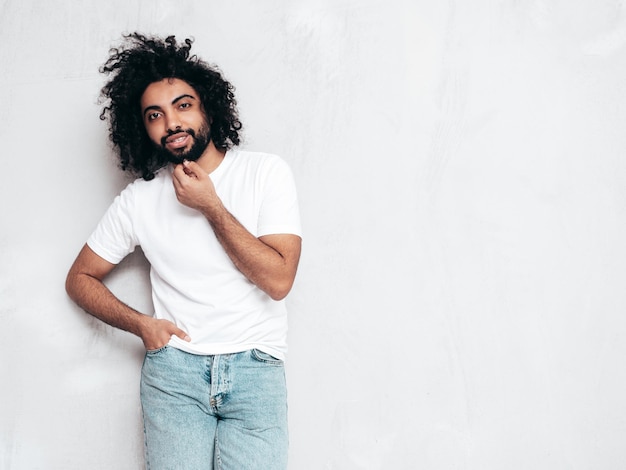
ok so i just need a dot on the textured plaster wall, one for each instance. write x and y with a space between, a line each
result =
460 302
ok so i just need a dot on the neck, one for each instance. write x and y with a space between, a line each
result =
211 158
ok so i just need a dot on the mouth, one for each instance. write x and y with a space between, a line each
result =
177 141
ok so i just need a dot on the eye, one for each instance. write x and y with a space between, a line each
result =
153 116
185 105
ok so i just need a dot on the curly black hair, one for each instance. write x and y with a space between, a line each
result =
142 60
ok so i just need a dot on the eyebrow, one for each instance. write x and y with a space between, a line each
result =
174 101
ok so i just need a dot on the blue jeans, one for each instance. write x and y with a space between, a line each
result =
218 412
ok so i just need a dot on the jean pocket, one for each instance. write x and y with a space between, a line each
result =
266 358
154 352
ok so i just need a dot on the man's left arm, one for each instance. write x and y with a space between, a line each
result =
270 261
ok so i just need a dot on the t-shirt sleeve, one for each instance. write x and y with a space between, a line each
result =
279 208
114 237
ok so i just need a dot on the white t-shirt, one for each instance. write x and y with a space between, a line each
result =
194 282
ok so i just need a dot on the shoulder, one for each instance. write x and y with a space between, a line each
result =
142 190
140 185
250 156
259 161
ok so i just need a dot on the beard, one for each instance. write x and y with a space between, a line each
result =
199 145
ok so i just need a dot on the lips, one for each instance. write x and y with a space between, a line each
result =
178 140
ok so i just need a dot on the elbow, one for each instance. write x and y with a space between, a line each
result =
277 295
73 284
279 290
70 285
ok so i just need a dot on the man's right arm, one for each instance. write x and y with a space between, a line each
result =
85 287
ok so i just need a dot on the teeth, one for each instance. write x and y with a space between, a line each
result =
178 139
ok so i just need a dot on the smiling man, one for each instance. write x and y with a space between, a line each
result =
220 228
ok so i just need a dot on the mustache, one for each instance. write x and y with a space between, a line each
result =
170 133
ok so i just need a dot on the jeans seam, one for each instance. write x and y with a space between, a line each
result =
218 457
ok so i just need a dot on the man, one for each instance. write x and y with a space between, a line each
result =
220 228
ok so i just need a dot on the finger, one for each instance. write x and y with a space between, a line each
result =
188 172
178 173
174 330
177 185
180 179
182 335
193 169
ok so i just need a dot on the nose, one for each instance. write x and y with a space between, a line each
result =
173 122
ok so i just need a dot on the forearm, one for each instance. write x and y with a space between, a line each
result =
84 285
262 264
96 299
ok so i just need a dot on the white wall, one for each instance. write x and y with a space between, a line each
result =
460 302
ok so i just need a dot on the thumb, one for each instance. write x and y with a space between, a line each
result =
192 168
181 334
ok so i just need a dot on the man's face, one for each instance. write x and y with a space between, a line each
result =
175 120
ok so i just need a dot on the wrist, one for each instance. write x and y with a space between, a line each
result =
214 211
142 325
